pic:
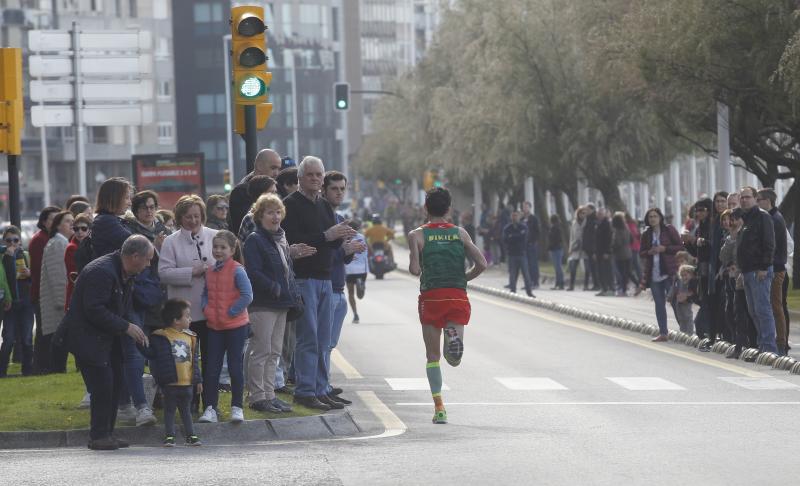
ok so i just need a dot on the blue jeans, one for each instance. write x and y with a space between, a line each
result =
659 291
532 252
313 331
760 309
339 313
515 264
556 256
230 341
132 389
18 322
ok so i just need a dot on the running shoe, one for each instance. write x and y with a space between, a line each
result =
355 319
361 287
169 441
193 440
453 347
440 417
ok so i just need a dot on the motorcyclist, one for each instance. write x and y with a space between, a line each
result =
378 233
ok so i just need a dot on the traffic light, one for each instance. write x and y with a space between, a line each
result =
226 180
11 113
263 112
431 179
249 55
341 96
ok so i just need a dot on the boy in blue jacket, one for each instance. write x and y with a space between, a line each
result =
173 355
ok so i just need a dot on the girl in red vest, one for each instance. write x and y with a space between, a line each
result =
225 299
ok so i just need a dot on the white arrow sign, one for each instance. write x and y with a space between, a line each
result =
116 65
139 90
106 40
109 115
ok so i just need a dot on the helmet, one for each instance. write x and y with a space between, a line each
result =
376 219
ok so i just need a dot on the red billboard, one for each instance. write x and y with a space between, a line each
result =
170 176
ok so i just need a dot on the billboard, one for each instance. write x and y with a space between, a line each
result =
170 176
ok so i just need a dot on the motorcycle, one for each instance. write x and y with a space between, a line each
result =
380 261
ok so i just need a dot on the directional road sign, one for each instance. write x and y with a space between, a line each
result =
97 115
112 65
61 40
105 90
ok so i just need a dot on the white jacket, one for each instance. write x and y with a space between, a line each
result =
53 283
178 255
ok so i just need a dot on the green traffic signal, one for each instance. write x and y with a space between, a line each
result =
252 87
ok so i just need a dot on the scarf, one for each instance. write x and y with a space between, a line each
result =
279 237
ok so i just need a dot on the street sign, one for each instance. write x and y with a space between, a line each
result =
112 65
61 40
106 90
96 115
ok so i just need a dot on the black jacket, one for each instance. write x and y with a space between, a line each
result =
532 221
588 238
95 317
272 288
162 363
305 222
603 237
756 248
555 241
781 250
239 203
515 236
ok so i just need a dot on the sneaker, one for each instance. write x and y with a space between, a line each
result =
209 416
453 347
144 416
169 441
280 405
193 440
237 415
355 319
361 287
440 417
126 414
86 402
660 339
265 406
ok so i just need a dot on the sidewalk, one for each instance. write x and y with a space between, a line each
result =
638 308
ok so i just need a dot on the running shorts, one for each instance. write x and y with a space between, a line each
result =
353 277
437 307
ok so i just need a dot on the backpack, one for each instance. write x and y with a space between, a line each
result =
84 254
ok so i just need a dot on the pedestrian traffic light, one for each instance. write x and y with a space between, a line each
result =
226 180
341 96
11 121
249 55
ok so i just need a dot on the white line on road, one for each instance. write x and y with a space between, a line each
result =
392 424
759 383
410 384
644 383
350 372
550 404
530 383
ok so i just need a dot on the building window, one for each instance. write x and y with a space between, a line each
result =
164 90
202 12
209 150
162 49
97 135
133 8
286 19
205 104
165 136
160 9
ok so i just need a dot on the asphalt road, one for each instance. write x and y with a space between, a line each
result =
539 398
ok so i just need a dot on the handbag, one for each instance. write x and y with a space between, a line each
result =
297 309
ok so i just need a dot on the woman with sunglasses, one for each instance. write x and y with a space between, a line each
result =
18 319
217 209
80 227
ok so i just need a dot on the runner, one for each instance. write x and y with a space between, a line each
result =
437 256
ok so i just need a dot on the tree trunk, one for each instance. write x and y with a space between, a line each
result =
561 210
610 191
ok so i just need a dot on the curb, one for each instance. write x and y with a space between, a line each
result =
722 347
326 426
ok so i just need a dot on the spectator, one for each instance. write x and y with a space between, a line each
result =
660 243
681 296
603 253
746 334
636 245
576 253
621 248
515 235
755 254
267 163
698 243
268 261
173 355
80 207
41 350
555 245
716 290
217 206
257 186
532 246
310 220
226 295
80 230
588 240
733 200
286 181
91 330
109 230
53 286
185 256
766 199
167 218
18 319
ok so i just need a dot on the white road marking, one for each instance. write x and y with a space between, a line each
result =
391 423
549 404
644 383
411 384
344 366
530 383
759 383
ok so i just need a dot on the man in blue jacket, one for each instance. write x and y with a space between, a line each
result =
515 239
92 328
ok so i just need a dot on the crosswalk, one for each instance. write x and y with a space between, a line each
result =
632 383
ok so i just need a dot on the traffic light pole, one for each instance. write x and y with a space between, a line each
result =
13 190
250 137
